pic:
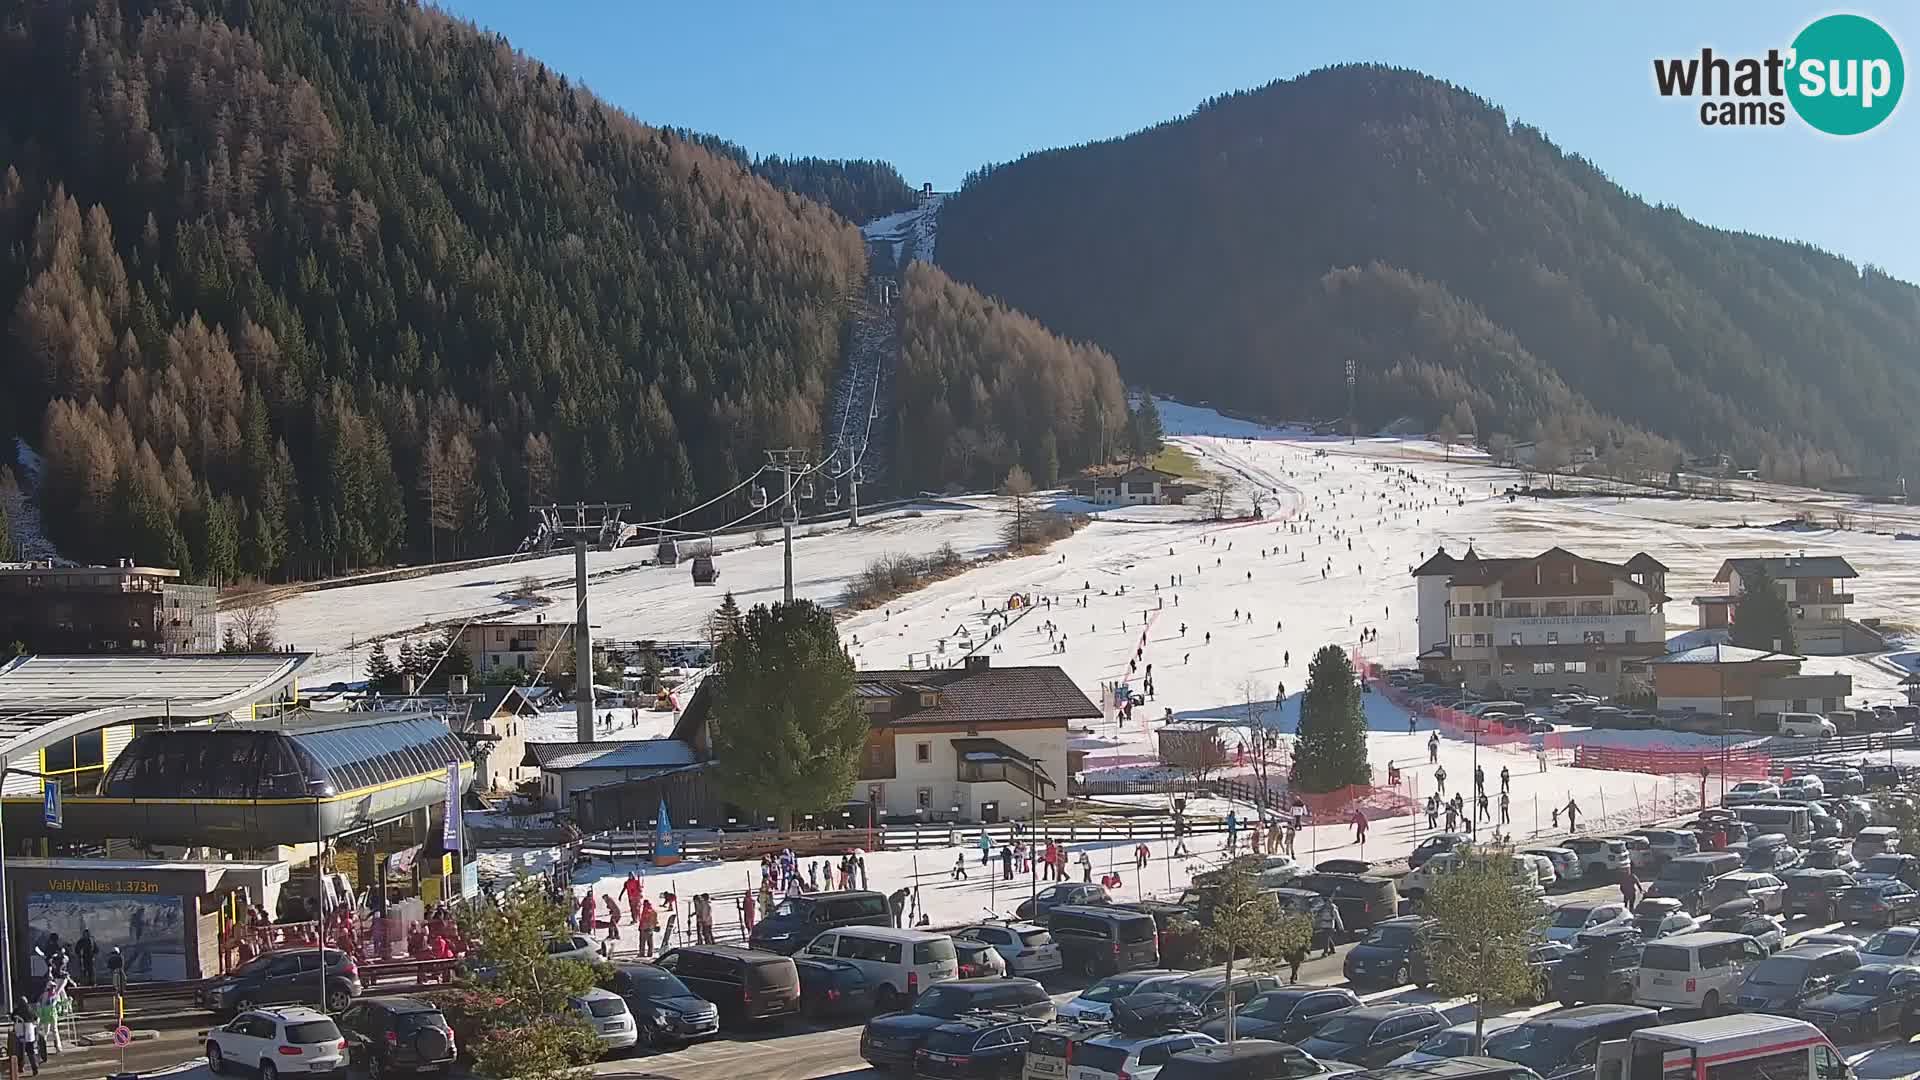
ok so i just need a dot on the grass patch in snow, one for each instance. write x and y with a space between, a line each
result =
1173 459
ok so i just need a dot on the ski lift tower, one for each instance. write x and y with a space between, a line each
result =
793 465
584 522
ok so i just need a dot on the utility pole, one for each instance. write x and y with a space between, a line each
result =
853 497
589 520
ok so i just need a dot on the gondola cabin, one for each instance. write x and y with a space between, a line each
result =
703 570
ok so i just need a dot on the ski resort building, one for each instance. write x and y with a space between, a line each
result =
1130 485
105 609
1554 621
1809 585
970 743
1745 684
526 644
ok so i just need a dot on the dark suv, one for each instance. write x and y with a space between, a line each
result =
797 920
986 1045
894 1039
747 985
397 1035
281 978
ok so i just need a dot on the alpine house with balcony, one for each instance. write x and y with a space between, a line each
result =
1553 621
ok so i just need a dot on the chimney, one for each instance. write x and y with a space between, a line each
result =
457 684
539 618
978 663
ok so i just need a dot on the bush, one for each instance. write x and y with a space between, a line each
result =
889 576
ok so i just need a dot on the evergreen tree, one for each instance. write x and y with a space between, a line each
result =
1144 427
1762 620
725 620
410 665
381 674
1330 749
7 549
787 735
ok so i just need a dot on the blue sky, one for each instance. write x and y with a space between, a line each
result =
940 88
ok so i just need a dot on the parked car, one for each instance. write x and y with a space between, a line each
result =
1025 948
1104 940
1771 853
1385 956
1060 894
1883 775
1454 1042
1602 967
1600 856
1570 920
1669 843
1435 844
1661 917
893 1039
1053 1046
1769 892
282 977
1543 868
984 1046
1278 870
295 1038
1872 1001
796 920
1566 864
1841 779
666 1011
1884 901
1830 853
1287 1014
831 989
1121 1056
1694 971
605 1013
898 963
1751 791
1686 878
1876 840
1096 1001
397 1035
1206 991
1815 892
1745 917
1779 983
1247 1059
978 960
1898 945
582 947
1373 1035
1898 867
1806 725
748 986
1363 899
1564 1044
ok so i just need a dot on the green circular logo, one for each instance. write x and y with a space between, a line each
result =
1846 74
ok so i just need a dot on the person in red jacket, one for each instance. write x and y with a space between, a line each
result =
633 889
588 910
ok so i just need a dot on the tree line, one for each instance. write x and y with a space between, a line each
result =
1247 252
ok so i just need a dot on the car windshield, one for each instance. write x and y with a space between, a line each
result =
1033 939
654 983
1539 1048
1112 989
1889 865
308 1032
1194 993
1781 971
1649 925
1865 983
945 1001
789 908
1447 1043
605 1007
1392 937
1572 917
1891 943
1348 1029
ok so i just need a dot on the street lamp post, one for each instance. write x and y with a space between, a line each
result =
318 789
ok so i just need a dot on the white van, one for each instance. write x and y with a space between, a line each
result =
1745 1044
1700 970
898 964
1808 724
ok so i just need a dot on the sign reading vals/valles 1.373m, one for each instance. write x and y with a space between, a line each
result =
1842 75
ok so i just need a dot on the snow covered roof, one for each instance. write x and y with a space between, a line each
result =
631 754
1722 654
1790 566
47 698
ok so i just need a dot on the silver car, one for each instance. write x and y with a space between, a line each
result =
1027 948
607 1014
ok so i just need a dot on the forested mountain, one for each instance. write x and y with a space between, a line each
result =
289 281
1243 254
857 189
981 388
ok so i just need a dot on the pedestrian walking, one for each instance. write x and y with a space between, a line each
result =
1327 926
960 867
1433 748
1506 809
1506 780
1359 828
1573 814
1481 803
1440 778
1006 863
26 1038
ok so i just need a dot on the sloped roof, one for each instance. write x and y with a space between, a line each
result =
1642 563
1722 654
1439 564
1472 570
47 698
631 754
984 694
1790 566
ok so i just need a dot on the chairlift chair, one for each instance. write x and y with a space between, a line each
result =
833 496
758 496
806 489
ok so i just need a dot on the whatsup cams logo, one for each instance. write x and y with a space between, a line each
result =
1842 75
